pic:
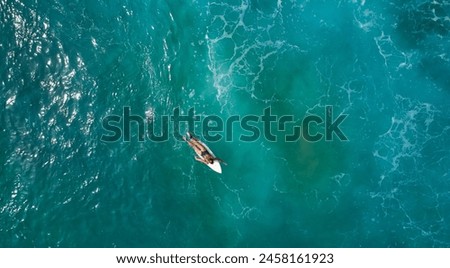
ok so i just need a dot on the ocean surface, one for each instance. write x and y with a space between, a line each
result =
68 65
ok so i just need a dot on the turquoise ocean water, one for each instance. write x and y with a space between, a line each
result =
66 65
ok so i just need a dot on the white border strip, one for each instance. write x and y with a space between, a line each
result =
344 258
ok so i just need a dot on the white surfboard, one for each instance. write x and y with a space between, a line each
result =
216 164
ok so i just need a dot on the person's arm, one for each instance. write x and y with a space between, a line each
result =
201 160
220 160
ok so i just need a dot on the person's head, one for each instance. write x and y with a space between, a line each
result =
209 159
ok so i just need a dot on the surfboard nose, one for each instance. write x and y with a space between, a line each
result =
216 166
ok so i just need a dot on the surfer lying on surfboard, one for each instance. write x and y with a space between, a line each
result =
204 154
